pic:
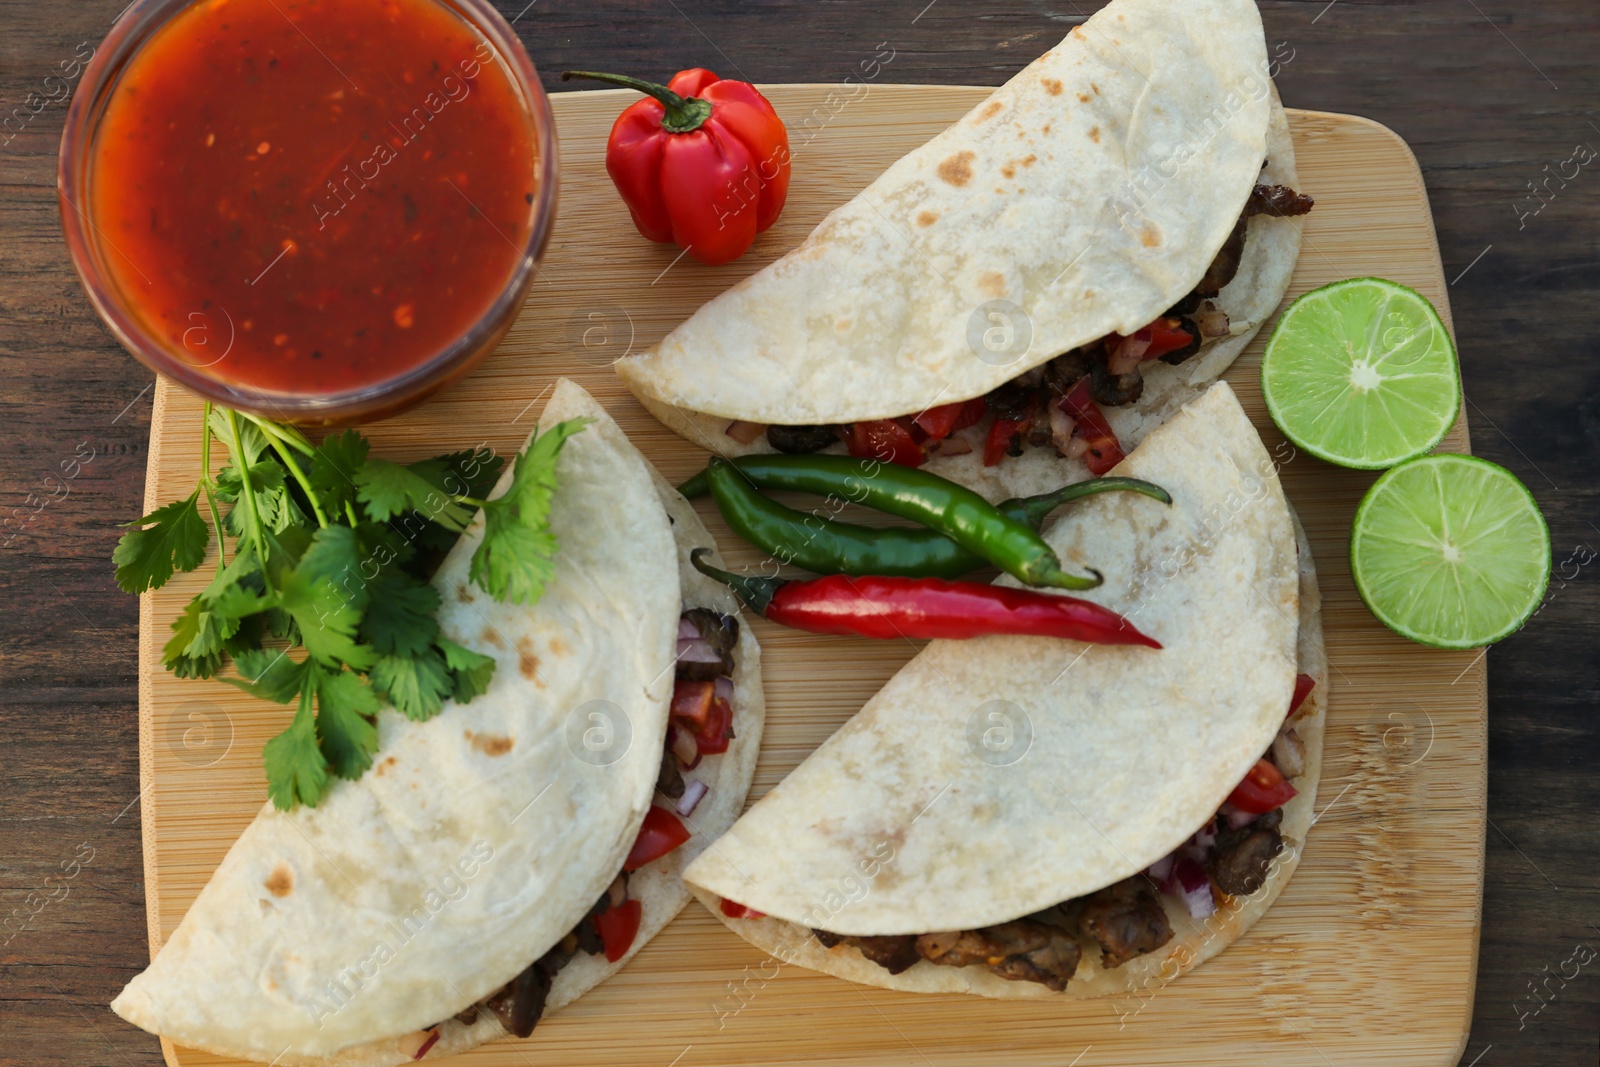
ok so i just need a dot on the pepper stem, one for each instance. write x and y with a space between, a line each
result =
1056 578
685 114
756 593
1034 509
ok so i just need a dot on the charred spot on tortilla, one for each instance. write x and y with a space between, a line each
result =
989 111
383 766
1150 237
463 594
957 169
992 282
490 744
559 647
1094 134
1083 98
491 636
1052 86
927 218
280 883
527 662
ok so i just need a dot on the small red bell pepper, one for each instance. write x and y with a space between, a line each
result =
1262 790
659 834
1104 451
701 162
885 440
735 910
942 421
617 926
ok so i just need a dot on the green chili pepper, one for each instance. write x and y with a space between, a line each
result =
828 546
953 510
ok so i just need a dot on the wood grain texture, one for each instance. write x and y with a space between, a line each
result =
1390 879
1487 94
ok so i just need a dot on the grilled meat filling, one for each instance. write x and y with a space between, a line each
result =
1126 918
1241 858
1024 950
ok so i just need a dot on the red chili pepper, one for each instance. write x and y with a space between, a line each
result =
660 833
1262 790
734 910
1303 684
924 608
942 421
701 162
885 440
1104 451
617 926
1002 431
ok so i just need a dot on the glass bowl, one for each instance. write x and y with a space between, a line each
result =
357 403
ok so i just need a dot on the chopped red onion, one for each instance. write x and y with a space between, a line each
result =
1061 427
1193 887
682 744
698 650
688 631
954 446
1161 869
1127 353
694 791
1236 818
723 690
746 433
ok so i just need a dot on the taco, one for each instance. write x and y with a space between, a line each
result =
475 877
1022 299
1021 817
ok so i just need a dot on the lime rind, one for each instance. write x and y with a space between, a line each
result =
1330 335
1418 516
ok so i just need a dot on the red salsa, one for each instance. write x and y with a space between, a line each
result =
329 191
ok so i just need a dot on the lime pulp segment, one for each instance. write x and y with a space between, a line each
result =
1450 551
1362 373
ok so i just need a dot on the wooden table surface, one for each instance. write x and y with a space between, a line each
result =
1494 97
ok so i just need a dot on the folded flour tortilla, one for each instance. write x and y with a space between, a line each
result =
1091 192
331 935
904 822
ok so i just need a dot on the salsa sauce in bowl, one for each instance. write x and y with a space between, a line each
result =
322 208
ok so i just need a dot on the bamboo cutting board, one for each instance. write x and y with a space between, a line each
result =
1370 954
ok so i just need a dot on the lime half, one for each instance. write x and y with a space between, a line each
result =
1362 373
1450 551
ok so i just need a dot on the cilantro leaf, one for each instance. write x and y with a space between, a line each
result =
405 625
175 541
335 555
516 556
471 472
345 707
276 511
415 685
469 672
334 464
388 489
325 619
195 649
270 675
297 772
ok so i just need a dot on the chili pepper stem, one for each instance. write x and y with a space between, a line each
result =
1056 578
756 593
685 114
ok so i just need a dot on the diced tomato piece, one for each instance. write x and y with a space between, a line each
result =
998 444
691 703
1104 450
1262 790
1155 340
734 910
713 738
660 833
886 440
944 420
1303 684
617 926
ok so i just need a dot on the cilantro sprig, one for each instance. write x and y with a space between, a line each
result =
324 599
